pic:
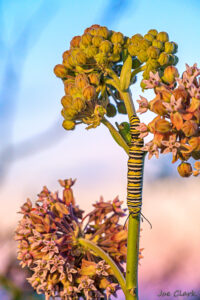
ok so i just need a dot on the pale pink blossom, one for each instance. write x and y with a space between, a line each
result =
143 105
171 145
174 105
153 81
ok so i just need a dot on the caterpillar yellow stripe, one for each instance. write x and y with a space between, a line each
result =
135 169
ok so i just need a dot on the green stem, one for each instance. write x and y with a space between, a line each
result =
101 253
116 135
132 258
136 71
128 103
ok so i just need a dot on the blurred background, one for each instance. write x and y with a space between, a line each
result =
35 150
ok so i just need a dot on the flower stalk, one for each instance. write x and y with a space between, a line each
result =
101 253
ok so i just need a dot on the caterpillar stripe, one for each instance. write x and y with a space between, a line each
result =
135 169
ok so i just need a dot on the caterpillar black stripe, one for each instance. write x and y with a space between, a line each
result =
135 169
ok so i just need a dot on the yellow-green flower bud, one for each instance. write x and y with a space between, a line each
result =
96 40
136 63
152 64
91 51
86 39
145 44
153 52
185 169
67 61
66 101
81 81
79 104
68 113
68 85
89 92
162 36
101 58
170 73
149 37
111 110
172 59
142 56
117 48
117 37
163 59
94 78
133 49
80 58
190 128
103 31
153 32
105 46
169 47
68 125
137 37
99 110
114 57
60 71
121 108
75 41
158 44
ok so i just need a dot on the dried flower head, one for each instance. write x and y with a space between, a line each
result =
48 244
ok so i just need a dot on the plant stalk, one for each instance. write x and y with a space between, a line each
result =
101 253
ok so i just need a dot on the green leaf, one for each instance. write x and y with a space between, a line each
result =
125 76
113 83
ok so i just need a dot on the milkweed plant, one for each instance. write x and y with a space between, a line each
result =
77 256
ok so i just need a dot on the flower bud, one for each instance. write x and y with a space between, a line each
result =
170 73
114 57
136 37
99 110
145 44
164 93
111 110
142 56
66 101
163 59
79 104
189 128
89 92
68 125
94 78
151 125
101 58
68 85
158 44
149 37
194 142
91 51
68 113
152 64
96 40
117 48
81 81
80 58
153 52
158 108
86 39
153 32
184 169
105 46
60 71
180 93
172 59
162 126
121 108
133 49
75 41
89 29
163 37
117 37
169 47
103 31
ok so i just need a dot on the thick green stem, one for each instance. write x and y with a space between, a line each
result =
132 258
101 253
116 135
128 103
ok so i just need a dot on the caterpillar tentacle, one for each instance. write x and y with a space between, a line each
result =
135 169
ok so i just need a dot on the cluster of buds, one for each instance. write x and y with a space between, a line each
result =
176 128
48 236
96 57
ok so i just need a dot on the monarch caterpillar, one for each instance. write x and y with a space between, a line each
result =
135 169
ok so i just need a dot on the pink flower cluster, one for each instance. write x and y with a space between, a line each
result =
176 128
48 236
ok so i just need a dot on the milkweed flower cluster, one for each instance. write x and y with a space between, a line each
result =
48 236
176 128
95 57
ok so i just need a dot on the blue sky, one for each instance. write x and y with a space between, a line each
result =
91 156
